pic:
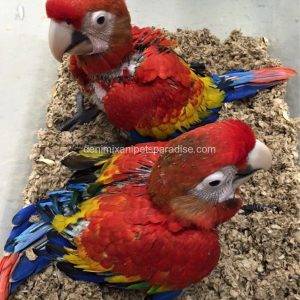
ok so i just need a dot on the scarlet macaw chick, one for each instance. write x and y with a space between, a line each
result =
144 87
151 220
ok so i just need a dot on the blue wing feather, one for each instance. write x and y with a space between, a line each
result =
26 267
165 296
23 215
16 231
77 274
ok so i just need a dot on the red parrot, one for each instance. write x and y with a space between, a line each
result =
144 87
148 222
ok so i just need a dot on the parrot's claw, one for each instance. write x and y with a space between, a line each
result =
82 116
253 208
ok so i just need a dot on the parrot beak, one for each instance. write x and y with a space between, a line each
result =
64 39
260 158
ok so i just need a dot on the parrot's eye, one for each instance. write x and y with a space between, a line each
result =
215 179
101 20
215 183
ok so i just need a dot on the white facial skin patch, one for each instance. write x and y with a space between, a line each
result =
99 26
217 187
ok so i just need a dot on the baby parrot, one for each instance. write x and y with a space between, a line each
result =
150 220
144 87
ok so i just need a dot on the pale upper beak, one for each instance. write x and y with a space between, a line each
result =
260 158
64 38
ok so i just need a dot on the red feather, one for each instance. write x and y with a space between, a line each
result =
161 88
163 65
74 11
269 75
130 105
123 236
7 265
147 36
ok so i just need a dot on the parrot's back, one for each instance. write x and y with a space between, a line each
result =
155 95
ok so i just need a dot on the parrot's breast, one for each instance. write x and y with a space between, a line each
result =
128 236
100 93
103 82
124 71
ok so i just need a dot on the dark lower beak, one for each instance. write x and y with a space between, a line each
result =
245 173
77 39
63 39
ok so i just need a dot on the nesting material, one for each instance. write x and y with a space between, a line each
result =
259 252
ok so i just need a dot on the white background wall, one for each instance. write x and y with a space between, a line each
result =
28 72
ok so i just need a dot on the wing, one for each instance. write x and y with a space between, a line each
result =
132 164
103 228
165 96
125 242
101 168
105 225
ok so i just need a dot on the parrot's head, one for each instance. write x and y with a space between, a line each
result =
85 27
197 179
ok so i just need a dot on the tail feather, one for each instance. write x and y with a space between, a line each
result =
7 265
16 231
26 268
239 84
269 75
24 235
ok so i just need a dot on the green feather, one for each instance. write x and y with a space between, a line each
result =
139 286
94 189
153 290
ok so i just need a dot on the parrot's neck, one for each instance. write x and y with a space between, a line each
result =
196 212
97 64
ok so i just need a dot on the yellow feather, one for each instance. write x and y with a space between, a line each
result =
196 110
109 171
60 223
123 279
213 97
164 127
162 289
156 132
85 263
190 110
